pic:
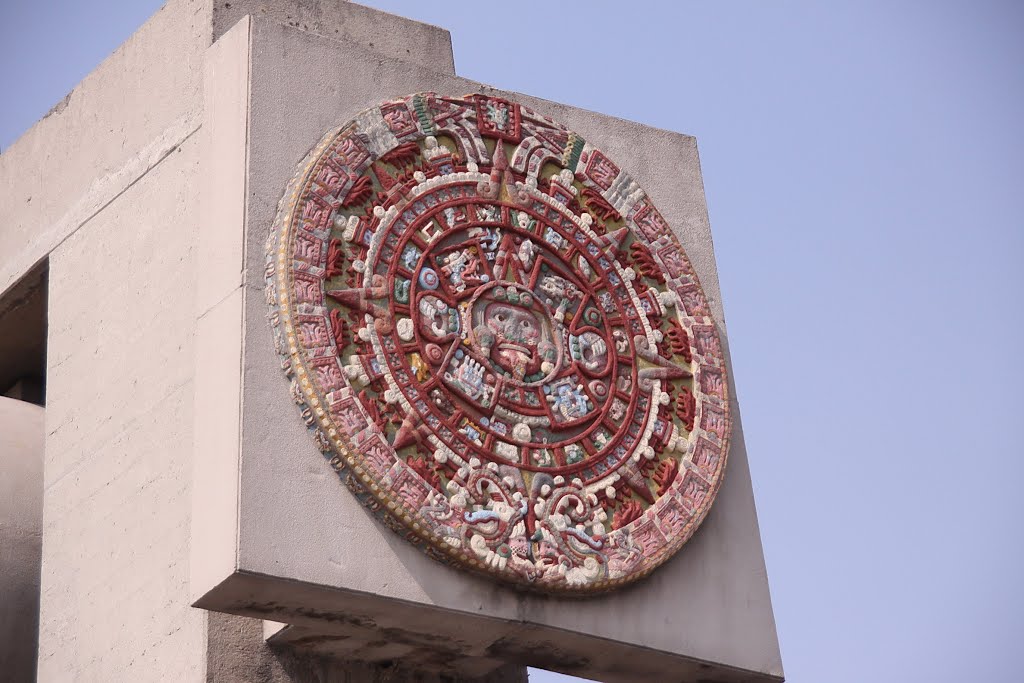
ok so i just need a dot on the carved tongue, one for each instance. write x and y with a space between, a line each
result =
515 361
520 366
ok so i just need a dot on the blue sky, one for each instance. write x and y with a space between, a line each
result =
864 169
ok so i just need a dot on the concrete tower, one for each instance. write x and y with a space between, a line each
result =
230 194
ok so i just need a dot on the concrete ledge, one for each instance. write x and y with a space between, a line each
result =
335 622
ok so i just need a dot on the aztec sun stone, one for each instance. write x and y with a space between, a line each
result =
499 343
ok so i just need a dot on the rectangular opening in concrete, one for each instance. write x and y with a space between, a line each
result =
23 337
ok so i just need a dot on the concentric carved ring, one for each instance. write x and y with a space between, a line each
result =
499 343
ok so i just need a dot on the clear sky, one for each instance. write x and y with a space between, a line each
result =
864 169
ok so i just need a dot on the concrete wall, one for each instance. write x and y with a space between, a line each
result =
21 517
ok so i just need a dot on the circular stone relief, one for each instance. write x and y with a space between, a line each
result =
499 343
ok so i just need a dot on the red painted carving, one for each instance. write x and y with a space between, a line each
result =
705 337
679 342
425 470
686 407
630 511
645 262
316 212
498 118
694 490
399 119
601 170
599 206
713 419
308 248
403 155
360 191
675 261
711 381
649 222
339 329
706 457
335 259
665 475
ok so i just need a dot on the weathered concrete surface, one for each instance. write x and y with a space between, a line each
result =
304 541
21 520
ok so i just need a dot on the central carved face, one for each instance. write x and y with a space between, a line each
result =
513 333
516 336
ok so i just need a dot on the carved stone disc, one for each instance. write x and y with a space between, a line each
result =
499 343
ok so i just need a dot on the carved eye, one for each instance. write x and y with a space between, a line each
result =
500 317
526 324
